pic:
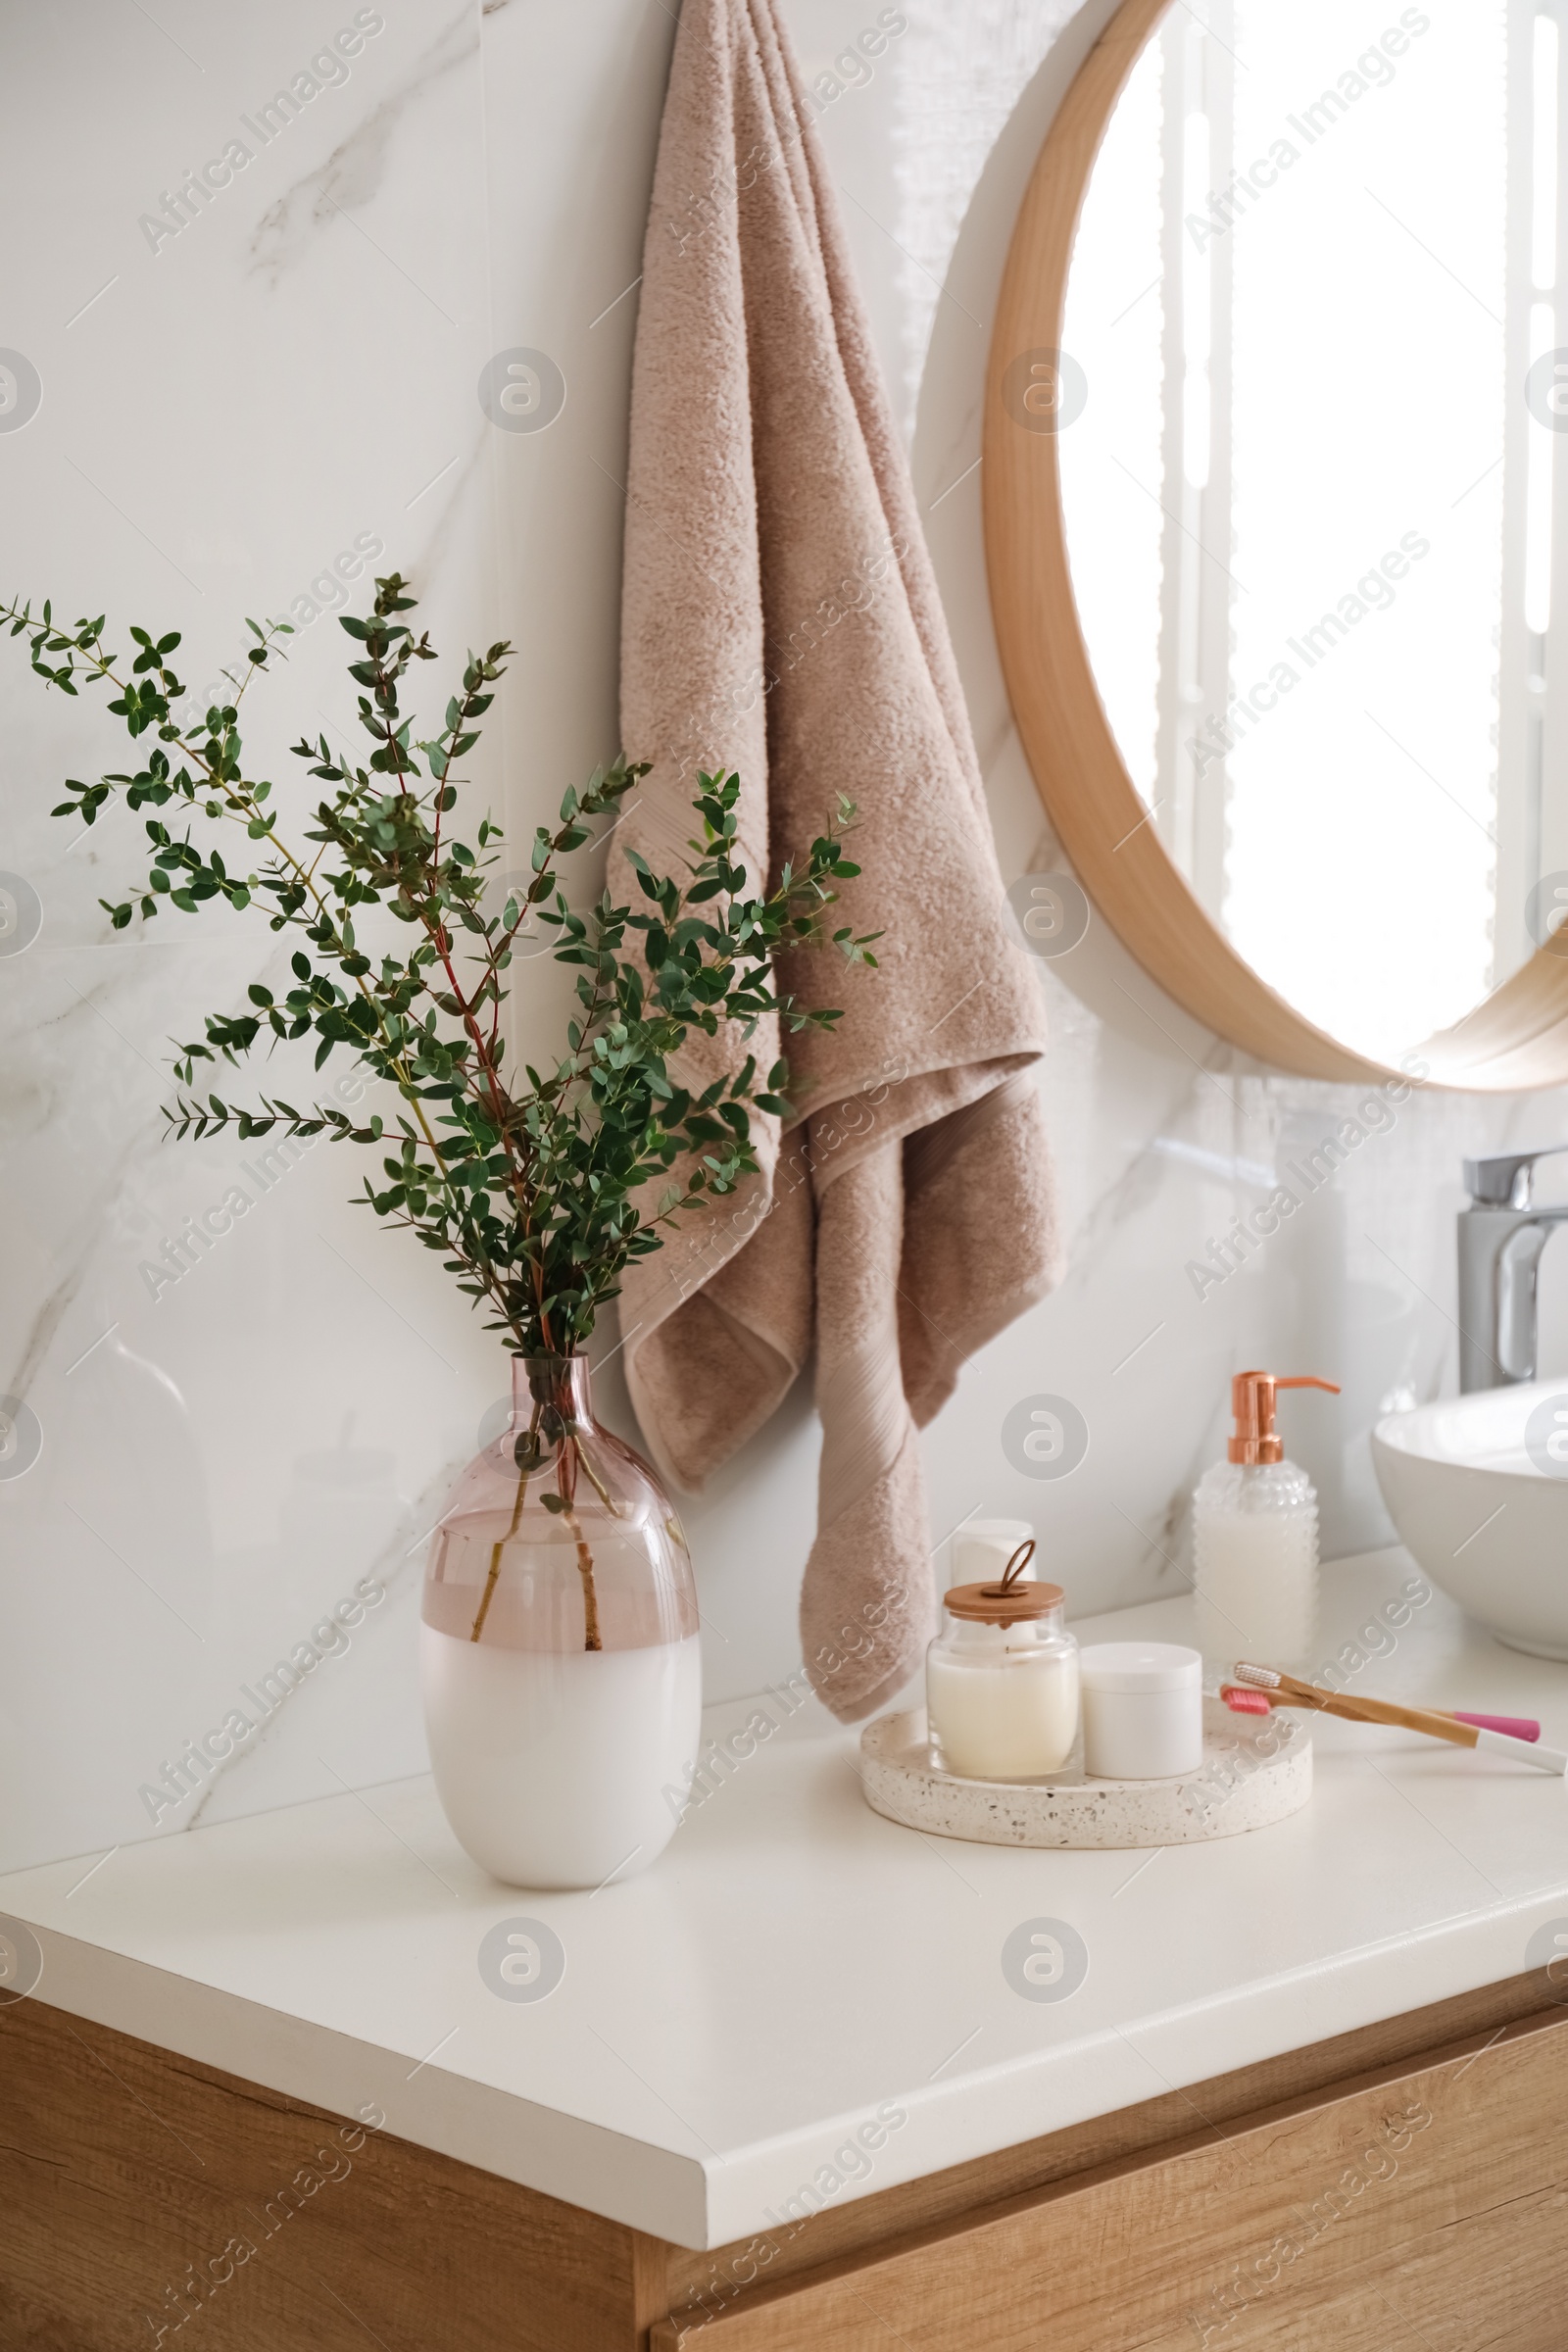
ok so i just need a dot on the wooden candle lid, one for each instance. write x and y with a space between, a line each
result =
1009 1602
988 1604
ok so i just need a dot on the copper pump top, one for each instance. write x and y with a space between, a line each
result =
1252 1394
1009 1602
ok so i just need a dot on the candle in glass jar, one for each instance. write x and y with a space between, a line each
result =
1001 1682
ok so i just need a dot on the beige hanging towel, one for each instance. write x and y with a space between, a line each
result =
781 618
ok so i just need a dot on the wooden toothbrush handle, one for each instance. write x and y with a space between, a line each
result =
1377 1710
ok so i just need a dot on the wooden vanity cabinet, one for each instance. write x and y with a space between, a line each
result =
1404 2188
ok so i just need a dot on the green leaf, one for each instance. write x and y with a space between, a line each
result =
536 1192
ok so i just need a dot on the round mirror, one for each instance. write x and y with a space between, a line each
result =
1274 459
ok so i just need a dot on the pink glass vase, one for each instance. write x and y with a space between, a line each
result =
558 1650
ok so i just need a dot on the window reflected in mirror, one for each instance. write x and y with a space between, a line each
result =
1313 500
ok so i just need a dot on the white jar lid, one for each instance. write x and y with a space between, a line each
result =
1139 1666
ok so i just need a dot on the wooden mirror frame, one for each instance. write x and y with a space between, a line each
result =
1516 1038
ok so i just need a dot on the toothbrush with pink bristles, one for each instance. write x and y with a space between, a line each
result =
1262 1688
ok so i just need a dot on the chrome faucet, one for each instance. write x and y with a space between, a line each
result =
1501 1236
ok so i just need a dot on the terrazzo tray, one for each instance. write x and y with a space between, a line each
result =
1255 1771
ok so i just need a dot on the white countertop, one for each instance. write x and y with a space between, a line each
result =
794 1962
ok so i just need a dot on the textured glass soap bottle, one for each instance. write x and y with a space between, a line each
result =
558 1649
1255 1538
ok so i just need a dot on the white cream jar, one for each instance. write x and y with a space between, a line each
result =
1143 1704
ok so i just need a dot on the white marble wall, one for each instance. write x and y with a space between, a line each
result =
224 412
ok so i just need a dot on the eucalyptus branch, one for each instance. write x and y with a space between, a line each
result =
217 760
538 1190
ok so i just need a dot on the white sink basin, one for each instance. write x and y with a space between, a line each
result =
1484 1520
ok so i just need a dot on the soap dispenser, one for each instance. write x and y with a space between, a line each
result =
1254 1538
